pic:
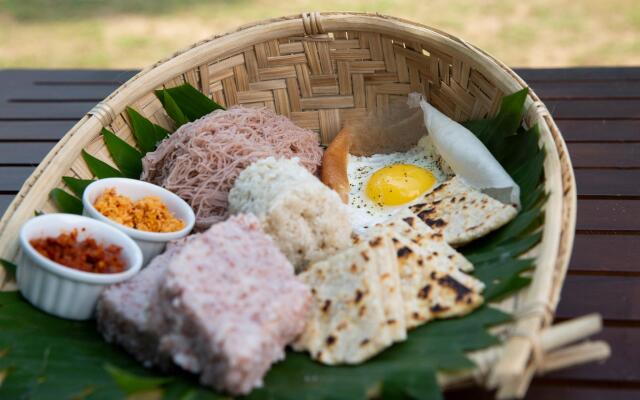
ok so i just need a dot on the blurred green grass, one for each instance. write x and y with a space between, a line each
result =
136 33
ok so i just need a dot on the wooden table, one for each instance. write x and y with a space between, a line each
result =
598 111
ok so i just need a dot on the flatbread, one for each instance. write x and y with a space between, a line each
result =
432 243
461 213
357 308
430 291
432 285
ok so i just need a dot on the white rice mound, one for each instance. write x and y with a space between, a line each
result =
201 160
305 218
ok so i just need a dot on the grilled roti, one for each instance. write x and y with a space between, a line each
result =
432 285
430 291
357 308
460 213
431 243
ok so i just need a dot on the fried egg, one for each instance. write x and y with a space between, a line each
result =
380 185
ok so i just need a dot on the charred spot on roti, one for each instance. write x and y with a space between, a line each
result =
330 340
433 275
342 326
365 255
437 223
420 262
424 292
375 242
394 240
364 342
417 207
415 315
358 297
463 198
362 311
437 308
461 290
439 188
391 321
424 214
409 220
326 306
404 252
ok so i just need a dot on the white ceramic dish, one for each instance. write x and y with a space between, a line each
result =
63 291
151 243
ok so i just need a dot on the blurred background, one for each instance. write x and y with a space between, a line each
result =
135 33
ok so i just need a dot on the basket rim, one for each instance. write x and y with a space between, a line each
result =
559 243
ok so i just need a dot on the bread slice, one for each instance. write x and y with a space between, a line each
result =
357 308
432 243
462 213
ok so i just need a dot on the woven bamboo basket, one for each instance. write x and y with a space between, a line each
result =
320 70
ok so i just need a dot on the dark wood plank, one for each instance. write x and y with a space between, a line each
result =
24 152
607 182
605 215
5 199
615 297
45 111
34 130
618 155
594 109
66 75
623 365
599 130
545 389
57 92
13 178
594 253
563 390
578 74
551 90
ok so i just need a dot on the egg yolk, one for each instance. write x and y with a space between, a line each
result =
398 184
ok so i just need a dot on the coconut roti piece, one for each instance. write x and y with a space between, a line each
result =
431 290
432 285
432 243
357 308
462 213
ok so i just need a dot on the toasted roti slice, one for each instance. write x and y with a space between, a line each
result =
462 213
431 287
357 308
432 243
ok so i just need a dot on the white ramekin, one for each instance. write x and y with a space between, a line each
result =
64 291
151 243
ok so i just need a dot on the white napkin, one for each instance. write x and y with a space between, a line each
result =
466 155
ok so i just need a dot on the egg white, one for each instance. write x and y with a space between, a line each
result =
363 211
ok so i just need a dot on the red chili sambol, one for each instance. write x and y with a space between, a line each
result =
86 255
